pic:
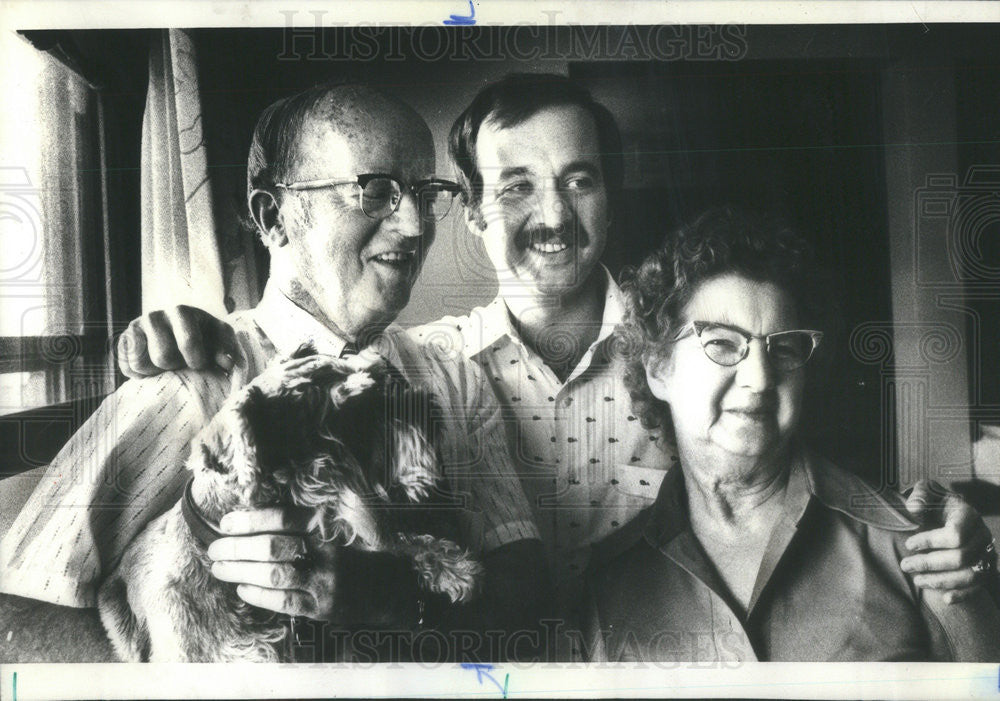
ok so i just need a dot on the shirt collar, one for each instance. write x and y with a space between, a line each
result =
811 477
847 493
288 325
495 319
669 514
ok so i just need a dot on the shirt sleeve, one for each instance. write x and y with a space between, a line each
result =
966 631
122 468
496 494
477 459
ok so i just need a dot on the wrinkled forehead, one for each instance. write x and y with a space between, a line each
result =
336 140
757 306
549 139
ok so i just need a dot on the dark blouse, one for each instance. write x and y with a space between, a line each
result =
829 586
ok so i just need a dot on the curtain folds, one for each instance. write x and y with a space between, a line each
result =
193 250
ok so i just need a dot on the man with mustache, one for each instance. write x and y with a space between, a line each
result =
540 166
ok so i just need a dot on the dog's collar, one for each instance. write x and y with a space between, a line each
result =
202 529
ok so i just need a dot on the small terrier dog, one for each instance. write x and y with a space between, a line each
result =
356 446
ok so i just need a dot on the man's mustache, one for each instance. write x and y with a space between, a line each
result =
570 233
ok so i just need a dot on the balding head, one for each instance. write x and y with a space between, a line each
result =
357 112
349 269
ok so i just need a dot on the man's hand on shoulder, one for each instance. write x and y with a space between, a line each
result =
176 338
944 555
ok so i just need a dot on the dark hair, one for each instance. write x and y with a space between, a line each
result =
722 240
512 100
276 131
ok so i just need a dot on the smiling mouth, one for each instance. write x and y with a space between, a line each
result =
395 258
553 244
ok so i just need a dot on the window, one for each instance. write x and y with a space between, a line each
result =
54 322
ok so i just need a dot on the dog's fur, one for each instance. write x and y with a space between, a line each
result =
354 445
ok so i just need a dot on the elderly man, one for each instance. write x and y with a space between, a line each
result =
341 187
539 162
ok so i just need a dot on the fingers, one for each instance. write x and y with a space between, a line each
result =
220 340
161 347
944 538
258 548
293 602
963 528
264 569
955 580
175 338
941 560
973 531
202 339
267 575
147 347
262 562
127 349
925 500
186 325
288 519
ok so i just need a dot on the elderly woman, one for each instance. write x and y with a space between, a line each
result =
755 549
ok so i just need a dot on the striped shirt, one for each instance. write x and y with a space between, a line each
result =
586 463
124 467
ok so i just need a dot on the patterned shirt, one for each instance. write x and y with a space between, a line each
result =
124 466
586 463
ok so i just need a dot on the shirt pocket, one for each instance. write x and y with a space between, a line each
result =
637 483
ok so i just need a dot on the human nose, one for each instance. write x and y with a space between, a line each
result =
754 372
553 207
407 216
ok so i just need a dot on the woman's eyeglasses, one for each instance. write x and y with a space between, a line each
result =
379 194
727 346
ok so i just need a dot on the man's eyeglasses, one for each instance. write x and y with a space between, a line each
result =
725 345
379 194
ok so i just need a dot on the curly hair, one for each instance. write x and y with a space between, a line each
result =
722 240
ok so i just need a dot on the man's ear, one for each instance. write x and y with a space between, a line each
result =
657 372
475 222
265 212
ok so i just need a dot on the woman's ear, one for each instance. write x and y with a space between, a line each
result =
265 212
658 371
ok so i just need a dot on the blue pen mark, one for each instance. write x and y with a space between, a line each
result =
483 670
463 20
15 687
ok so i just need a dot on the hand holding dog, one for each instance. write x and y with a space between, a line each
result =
260 558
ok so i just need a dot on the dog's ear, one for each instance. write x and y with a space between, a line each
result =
415 466
225 449
249 417
414 462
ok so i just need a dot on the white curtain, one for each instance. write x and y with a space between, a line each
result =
183 234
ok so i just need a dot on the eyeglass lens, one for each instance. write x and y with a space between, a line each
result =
787 350
380 197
